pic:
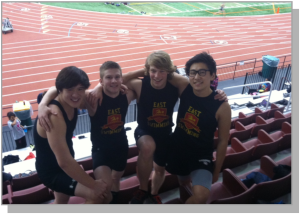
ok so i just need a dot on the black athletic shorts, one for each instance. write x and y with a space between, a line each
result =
182 162
113 157
161 142
58 181
21 143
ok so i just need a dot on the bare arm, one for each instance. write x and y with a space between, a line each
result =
133 75
223 117
131 95
57 141
44 110
221 95
96 94
15 121
136 86
179 82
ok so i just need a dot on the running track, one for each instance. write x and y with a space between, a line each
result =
40 47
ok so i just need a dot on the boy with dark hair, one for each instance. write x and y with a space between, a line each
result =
55 163
199 114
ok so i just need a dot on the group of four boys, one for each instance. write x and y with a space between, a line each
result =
187 152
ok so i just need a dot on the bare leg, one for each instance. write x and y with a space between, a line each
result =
147 147
200 195
61 198
87 194
104 173
116 177
158 178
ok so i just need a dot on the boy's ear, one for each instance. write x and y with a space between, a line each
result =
213 77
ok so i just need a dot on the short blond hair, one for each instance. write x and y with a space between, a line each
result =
161 60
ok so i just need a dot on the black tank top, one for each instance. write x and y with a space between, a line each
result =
155 108
196 123
45 158
107 125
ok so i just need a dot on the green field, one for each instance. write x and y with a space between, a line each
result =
180 8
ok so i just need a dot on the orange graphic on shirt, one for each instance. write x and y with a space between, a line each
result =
159 115
190 121
113 122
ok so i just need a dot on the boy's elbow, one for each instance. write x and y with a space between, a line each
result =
63 163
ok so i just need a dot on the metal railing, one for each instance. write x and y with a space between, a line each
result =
251 96
225 71
240 68
83 126
280 74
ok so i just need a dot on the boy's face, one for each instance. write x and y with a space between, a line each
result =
12 118
73 96
158 77
203 80
112 80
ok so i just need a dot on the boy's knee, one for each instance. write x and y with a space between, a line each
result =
201 198
147 149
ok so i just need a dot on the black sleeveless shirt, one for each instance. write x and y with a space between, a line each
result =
196 123
155 108
45 158
107 125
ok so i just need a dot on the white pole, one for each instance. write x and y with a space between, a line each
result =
238 86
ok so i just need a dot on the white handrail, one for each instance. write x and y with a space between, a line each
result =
257 83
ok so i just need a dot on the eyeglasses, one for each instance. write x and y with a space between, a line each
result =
201 72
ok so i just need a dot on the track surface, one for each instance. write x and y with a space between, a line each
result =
40 46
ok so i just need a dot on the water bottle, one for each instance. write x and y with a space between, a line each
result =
25 129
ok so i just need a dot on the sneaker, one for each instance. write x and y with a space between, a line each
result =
139 197
32 147
155 199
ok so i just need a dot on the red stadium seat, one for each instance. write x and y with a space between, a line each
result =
270 190
87 164
5 199
285 129
4 187
34 195
25 183
132 152
130 166
248 119
230 191
274 108
236 155
240 132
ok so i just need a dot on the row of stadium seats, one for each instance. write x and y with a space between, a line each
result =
30 190
246 120
233 191
246 132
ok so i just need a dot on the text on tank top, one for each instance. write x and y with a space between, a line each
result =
155 108
107 125
196 121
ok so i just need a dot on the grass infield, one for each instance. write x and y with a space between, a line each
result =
185 9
